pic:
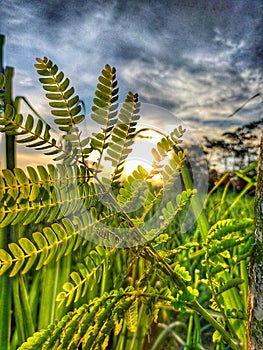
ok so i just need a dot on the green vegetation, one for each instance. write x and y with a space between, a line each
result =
87 268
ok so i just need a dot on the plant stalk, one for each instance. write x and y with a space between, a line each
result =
5 233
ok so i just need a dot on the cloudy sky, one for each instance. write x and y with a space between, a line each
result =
198 59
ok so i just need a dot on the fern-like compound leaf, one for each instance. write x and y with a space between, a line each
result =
229 242
89 272
31 133
123 135
55 241
223 227
89 325
51 192
65 106
104 111
132 316
63 100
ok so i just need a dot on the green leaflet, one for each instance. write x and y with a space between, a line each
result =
56 240
229 244
167 144
132 316
32 196
122 135
28 131
65 107
223 227
89 273
11 183
104 110
90 324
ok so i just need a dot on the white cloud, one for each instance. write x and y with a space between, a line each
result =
197 95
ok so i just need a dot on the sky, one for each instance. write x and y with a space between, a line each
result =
197 59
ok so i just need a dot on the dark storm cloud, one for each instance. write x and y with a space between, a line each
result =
199 59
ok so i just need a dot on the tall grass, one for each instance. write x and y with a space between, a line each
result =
188 330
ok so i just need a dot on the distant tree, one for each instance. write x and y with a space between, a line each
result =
220 148
238 148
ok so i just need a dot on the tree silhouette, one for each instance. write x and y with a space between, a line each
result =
236 149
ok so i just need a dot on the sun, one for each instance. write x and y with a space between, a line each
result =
142 155
133 164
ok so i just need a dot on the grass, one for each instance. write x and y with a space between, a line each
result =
188 330
217 206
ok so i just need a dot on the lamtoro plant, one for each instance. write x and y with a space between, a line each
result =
97 259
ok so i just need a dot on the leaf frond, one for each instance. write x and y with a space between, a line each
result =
91 270
123 133
51 192
65 104
91 324
55 241
104 110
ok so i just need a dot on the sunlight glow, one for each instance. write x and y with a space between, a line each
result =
142 155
